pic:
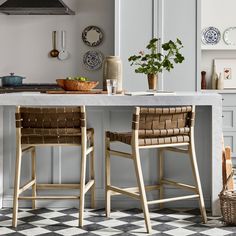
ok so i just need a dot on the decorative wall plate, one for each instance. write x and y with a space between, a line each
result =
211 36
93 60
230 36
92 36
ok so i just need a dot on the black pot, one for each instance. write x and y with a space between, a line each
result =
12 80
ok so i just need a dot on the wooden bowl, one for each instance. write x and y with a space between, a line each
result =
75 85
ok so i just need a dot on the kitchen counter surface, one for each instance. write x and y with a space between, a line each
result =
107 111
180 98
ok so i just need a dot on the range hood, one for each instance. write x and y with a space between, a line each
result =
35 7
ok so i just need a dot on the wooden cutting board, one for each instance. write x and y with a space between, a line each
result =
94 91
227 167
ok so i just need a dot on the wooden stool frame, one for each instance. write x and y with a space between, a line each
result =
87 148
139 192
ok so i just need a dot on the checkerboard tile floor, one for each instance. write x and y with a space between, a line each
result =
129 222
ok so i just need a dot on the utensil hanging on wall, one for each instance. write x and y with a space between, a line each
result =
54 52
63 55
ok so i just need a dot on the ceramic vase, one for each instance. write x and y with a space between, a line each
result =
220 84
214 78
112 69
152 81
203 80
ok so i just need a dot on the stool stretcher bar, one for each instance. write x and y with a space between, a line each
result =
173 199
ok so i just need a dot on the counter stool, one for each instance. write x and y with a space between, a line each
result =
53 126
165 128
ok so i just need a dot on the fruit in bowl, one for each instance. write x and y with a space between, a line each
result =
77 84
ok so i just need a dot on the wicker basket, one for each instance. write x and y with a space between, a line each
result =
74 85
228 204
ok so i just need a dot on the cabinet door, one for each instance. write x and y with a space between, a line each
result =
133 32
180 21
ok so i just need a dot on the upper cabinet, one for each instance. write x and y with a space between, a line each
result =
137 21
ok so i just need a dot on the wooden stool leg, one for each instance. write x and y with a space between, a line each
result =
16 185
82 184
197 179
108 176
161 175
143 197
92 174
33 163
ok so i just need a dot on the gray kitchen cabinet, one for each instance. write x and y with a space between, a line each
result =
165 19
229 122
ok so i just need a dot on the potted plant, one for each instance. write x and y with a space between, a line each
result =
155 62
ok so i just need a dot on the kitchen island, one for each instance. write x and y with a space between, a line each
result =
115 113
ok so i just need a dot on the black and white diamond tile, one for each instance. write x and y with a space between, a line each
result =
50 222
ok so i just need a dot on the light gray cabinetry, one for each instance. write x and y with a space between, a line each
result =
137 21
229 122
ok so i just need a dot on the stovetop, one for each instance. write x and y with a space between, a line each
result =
33 87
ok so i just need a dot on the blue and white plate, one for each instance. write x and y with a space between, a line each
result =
93 60
211 36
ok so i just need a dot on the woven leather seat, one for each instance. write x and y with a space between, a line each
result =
146 139
53 126
53 136
165 128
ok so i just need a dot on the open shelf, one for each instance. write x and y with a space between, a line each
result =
218 47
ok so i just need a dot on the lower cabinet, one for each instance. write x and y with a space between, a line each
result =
229 122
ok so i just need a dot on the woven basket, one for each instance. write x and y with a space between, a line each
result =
74 85
228 204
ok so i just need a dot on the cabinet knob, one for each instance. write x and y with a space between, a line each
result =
223 99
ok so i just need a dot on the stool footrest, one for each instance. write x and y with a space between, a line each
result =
179 185
27 186
57 186
125 191
27 149
49 198
120 154
174 149
89 150
131 190
173 199
89 185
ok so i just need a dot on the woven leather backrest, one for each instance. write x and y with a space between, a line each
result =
163 121
50 117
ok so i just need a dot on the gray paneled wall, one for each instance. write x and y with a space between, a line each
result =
137 21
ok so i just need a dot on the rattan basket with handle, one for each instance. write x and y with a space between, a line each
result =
228 203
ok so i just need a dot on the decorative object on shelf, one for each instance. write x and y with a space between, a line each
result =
220 82
211 35
54 52
93 60
230 36
227 68
214 77
112 69
203 80
63 54
92 36
155 62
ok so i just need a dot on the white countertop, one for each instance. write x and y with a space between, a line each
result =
41 99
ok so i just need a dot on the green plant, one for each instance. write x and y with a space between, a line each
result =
155 62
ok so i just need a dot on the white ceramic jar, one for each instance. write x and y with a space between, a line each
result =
112 69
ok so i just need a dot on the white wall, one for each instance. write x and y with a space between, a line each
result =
221 15
26 41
